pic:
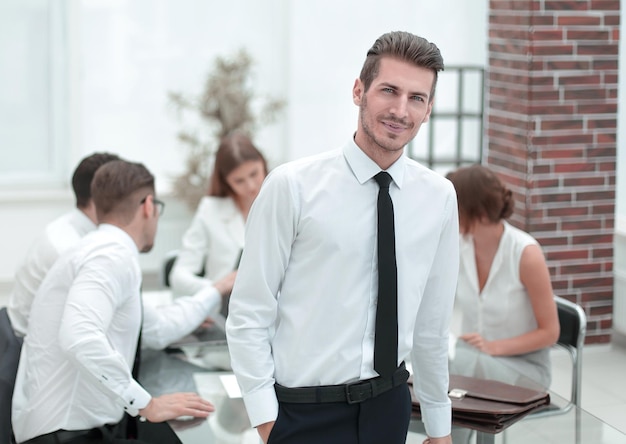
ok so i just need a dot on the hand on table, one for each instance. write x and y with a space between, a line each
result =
175 405
207 323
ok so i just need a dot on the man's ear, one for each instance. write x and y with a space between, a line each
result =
148 207
357 92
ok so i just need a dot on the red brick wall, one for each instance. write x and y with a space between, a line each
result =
551 134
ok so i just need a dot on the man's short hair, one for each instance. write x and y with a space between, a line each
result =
119 187
404 46
83 175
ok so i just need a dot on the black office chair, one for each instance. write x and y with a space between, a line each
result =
10 347
168 265
572 339
573 322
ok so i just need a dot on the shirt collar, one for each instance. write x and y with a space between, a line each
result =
121 234
365 168
86 224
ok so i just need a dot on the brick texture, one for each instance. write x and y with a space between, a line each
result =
551 130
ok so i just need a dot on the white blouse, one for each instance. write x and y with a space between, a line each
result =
502 309
213 241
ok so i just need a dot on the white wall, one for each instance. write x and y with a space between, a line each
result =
126 55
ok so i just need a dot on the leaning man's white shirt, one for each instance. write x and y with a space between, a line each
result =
74 370
59 235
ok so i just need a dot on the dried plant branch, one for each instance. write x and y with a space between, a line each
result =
225 105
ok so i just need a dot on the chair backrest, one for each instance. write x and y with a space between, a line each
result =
573 322
168 265
10 346
572 338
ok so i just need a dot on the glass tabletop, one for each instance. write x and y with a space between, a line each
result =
205 371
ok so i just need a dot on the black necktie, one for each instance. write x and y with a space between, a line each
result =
132 427
386 337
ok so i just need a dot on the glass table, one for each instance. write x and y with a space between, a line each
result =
202 370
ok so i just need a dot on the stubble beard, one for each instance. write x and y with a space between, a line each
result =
387 146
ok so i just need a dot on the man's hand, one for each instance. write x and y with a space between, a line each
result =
264 430
225 285
207 323
442 440
175 405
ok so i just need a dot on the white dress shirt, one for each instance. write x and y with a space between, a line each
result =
303 309
165 324
58 236
75 366
213 241
161 325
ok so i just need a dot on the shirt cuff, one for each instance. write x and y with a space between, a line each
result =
437 421
262 406
135 398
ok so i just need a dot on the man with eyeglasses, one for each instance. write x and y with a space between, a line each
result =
74 382
163 325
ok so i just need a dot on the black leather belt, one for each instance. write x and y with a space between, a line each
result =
65 436
352 393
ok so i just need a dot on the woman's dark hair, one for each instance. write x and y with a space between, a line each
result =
480 194
234 150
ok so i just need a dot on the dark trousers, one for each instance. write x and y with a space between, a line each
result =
144 433
380 420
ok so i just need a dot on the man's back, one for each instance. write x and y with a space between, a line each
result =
65 380
58 236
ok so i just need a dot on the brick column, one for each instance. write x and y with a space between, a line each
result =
551 134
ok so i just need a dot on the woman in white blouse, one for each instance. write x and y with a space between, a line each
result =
504 291
215 239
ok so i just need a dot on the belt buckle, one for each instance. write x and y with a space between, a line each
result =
349 399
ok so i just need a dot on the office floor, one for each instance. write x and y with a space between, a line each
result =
603 392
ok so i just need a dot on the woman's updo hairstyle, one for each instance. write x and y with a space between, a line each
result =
480 195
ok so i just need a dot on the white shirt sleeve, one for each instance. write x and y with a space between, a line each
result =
184 277
164 324
94 298
40 258
431 335
270 231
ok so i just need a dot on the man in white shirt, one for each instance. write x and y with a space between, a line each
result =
162 325
74 380
303 310
58 236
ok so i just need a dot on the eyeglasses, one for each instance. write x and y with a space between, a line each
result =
160 205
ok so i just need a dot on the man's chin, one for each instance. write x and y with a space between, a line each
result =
147 248
392 142
392 146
